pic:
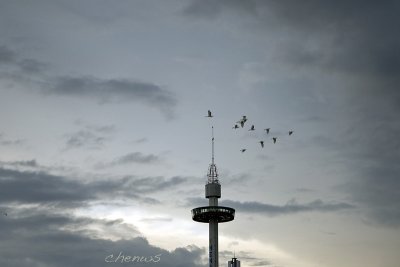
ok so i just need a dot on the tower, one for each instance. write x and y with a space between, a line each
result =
234 262
213 214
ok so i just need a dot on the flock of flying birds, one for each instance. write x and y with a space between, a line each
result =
242 122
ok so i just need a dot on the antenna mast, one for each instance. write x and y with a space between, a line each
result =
212 135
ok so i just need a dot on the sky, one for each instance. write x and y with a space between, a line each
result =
105 143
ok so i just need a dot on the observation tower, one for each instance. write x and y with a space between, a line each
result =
213 214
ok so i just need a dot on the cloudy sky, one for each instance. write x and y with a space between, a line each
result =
104 143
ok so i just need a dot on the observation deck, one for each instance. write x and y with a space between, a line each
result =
205 214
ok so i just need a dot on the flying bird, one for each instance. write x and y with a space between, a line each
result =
242 121
262 144
209 114
274 139
235 127
290 132
252 128
243 150
267 130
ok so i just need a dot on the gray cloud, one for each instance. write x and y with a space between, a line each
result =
10 142
152 184
136 157
262 263
105 129
22 163
291 207
236 179
114 90
92 136
233 243
156 219
304 190
102 90
56 240
85 139
131 158
141 140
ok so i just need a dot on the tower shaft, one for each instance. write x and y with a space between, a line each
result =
213 243
213 235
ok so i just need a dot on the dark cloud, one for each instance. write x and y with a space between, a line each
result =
356 45
32 66
47 222
207 9
6 55
350 38
34 166
369 151
291 207
39 187
64 241
114 90
378 191
344 36
43 188
13 64
212 9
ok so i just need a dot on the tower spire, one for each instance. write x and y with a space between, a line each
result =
212 170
